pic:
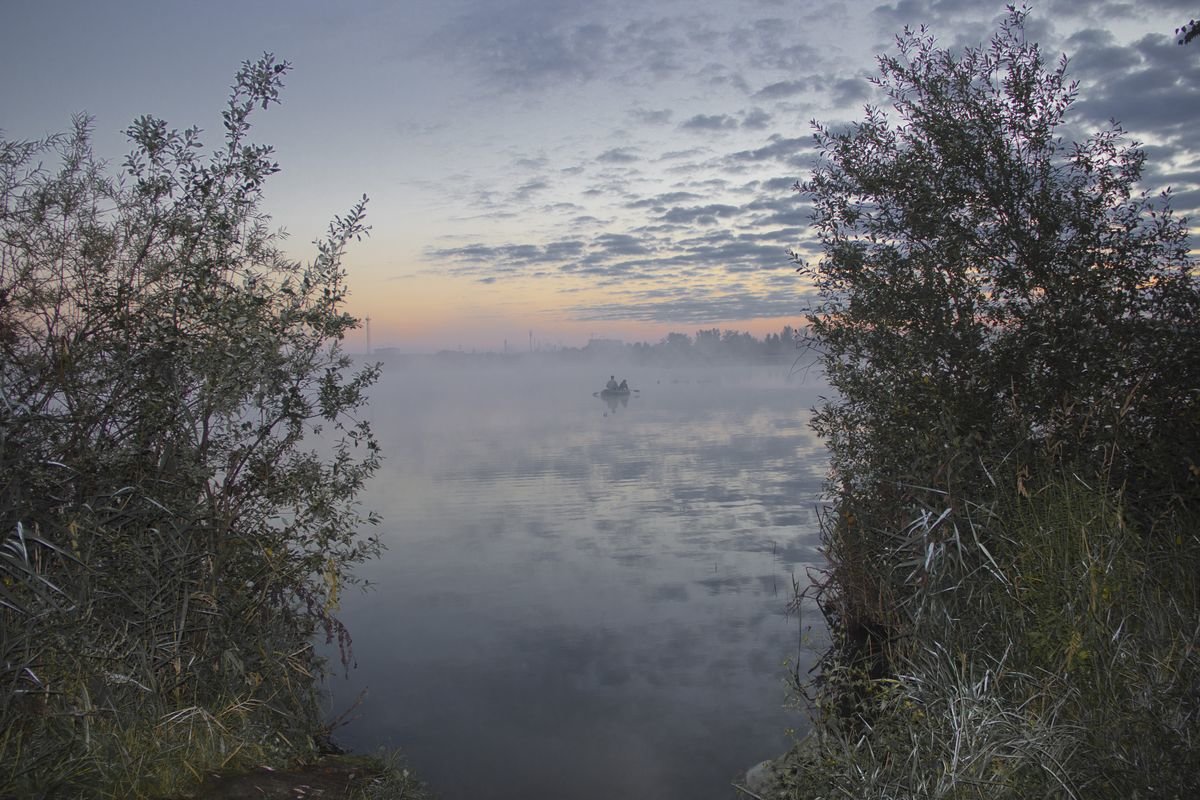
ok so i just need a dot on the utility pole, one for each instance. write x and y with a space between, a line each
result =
531 341
368 335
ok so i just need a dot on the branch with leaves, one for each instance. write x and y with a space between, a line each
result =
1188 32
181 436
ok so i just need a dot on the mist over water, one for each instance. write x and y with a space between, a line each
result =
584 597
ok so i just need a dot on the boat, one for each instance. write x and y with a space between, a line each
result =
615 392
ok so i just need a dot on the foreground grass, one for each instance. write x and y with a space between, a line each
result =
1041 645
191 755
88 716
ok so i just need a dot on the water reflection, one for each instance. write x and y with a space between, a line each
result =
614 401
581 605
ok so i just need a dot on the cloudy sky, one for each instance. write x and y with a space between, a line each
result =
617 168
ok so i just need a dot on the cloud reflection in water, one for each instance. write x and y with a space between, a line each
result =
580 602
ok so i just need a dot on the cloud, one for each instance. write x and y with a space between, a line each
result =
530 58
782 89
709 122
654 48
846 92
1151 91
785 208
524 45
532 163
720 75
697 236
774 43
618 155
779 185
1148 89
698 215
660 201
651 117
481 260
700 234
892 17
1096 51
612 185
528 189
687 263
756 119
672 155
698 308
561 208
1110 10
843 91
792 151
621 244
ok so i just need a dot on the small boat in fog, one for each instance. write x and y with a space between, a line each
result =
614 389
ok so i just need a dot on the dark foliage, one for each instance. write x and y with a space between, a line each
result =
179 451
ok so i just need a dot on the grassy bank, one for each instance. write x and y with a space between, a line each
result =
1040 644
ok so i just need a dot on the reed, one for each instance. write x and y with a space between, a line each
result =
1045 647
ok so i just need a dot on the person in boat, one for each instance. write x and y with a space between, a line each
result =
624 387
612 383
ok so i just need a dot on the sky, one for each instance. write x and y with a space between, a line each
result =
557 170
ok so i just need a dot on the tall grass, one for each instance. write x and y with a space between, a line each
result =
1041 645
125 676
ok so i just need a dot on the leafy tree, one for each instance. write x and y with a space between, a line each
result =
985 282
1013 330
174 532
990 295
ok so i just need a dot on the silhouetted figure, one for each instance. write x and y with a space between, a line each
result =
624 387
612 383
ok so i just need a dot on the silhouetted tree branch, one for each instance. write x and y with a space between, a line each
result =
1188 32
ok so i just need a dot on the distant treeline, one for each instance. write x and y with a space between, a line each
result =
709 345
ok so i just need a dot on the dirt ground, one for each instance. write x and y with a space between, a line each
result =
333 778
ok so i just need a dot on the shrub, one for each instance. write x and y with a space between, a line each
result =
173 533
1012 331
989 294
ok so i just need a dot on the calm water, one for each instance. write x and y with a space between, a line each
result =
583 599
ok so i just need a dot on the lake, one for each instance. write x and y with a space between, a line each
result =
582 597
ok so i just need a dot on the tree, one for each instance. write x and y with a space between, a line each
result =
1013 330
174 532
991 298
987 285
